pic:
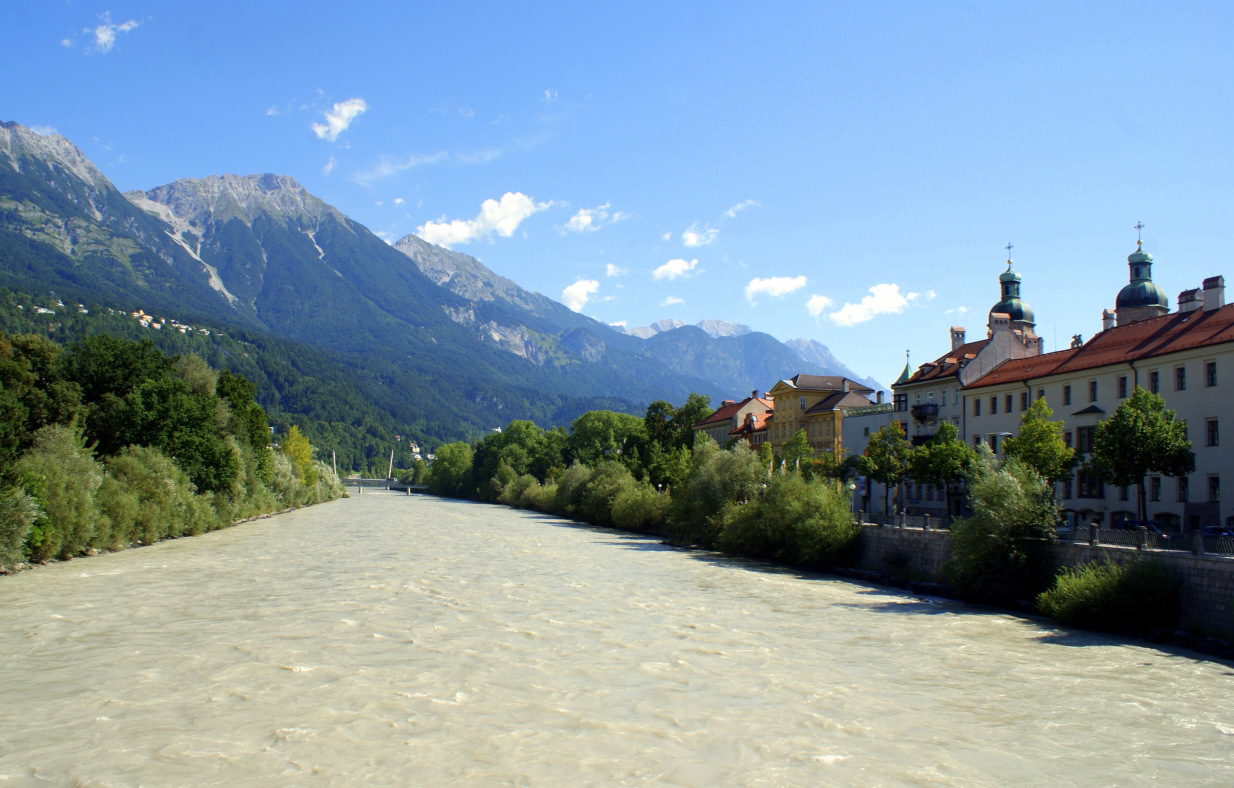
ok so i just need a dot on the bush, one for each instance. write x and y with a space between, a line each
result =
719 477
640 508
1104 595
62 474
18 511
541 497
515 493
152 499
1001 554
570 488
607 481
794 520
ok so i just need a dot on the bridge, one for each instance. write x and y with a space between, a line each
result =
394 485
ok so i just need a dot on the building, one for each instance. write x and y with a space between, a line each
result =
932 394
745 419
816 404
858 424
1187 357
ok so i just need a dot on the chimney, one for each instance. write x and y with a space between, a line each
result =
843 384
1107 320
728 402
1214 293
957 337
878 398
754 394
1189 301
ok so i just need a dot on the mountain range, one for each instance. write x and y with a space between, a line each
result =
261 254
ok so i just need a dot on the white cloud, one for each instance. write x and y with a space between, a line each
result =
66 42
587 219
479 157
693 236
667 236
619 324
399 201
612 270
671 301
271 111
387 168
496 216
883 299
674 268
105 33
576 295
775 286
338 118
739 207
43 131
550 96
466 113
818 304
959 310
329 166
378 203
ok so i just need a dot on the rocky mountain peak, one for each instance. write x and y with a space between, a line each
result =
18 141
223 197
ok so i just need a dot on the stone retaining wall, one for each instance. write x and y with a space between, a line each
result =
1208 580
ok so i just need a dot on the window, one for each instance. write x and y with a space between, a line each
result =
1023 400
1092 391
976 441
1186 433
994 443
1211 426
1210 374
865 432
1180 378
1008 403
993 405
1124 493
1040 393
899 402
1154 488
1122 387
1214 489
943 397
1184 488
976 407
1089 486
1084 439
930 493
1067 438
1067 487
803 403
1066 395
1154 382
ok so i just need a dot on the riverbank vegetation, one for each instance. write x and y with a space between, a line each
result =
109 443
652 475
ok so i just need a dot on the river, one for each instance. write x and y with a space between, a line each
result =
396 640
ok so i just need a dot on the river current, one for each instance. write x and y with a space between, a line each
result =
404 640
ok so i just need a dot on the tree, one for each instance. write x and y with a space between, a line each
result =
300 452
672 427
887 457
942 461
1040 445
450 473
600 433
797 450
1141 437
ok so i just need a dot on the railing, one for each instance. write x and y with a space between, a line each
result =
926 412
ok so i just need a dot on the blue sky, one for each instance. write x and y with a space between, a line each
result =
845 172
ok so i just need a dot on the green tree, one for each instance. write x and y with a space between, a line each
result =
887 457
1002 553
673 427
1139 438
450 473
796 450
300 452
942 461
600 434
1040 445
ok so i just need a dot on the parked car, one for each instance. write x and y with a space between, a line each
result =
1219 531
1153 528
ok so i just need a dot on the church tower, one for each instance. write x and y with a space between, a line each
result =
1011 311
1140 299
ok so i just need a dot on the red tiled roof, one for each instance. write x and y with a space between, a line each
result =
726 412
760 423
1144 339
948 363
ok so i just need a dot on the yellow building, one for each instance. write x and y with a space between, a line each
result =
813 403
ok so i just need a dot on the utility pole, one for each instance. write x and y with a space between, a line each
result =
390 473
334 462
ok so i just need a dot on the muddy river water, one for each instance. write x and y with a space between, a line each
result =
396 640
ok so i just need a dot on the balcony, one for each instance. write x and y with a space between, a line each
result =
926 412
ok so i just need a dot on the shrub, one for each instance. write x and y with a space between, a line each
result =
62 474
570 486
515 493
18 510
719 477
1104 595
1001 553
794 520
641 508
153 499
541 497
607 481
